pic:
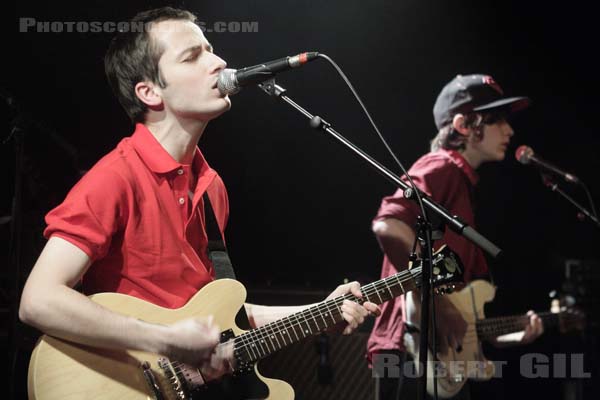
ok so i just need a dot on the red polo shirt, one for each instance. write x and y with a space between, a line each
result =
142 225
449 179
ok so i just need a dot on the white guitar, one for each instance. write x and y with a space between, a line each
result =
62 370
455 367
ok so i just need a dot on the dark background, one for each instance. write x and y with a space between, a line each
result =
301 205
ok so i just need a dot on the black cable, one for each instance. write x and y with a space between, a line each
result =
590 199
412 184
387 146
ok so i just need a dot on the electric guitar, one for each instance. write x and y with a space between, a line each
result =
455 367
63 370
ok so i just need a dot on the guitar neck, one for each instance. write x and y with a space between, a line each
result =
490 328
259 343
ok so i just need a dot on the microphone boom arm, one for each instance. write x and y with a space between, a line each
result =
452 221
548 182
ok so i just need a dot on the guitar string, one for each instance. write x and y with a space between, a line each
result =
374 288
492 327
179 367
332 304
329 305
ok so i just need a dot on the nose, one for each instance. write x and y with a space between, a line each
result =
219 63
507 129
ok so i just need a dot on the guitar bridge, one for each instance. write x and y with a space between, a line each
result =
177 382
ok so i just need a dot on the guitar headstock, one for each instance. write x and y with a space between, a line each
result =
447 270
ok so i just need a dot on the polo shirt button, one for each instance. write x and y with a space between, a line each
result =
181 200
179 172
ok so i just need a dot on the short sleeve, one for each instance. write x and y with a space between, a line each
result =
434 175
92 212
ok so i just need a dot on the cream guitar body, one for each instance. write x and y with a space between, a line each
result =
454 368
468 362
62 370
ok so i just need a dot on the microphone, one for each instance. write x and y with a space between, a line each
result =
525 155
231 81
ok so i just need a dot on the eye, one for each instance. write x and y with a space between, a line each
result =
192 57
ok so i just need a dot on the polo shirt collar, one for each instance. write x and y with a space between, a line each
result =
157 158
462 163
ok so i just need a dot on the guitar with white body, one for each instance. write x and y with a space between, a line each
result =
455 367
60 369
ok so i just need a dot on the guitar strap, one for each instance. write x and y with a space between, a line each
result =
217 254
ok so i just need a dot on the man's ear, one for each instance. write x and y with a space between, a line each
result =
458 123
149 94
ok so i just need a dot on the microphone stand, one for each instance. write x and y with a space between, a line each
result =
583 212
425 229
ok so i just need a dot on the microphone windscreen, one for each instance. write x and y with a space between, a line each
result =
523 154
227 83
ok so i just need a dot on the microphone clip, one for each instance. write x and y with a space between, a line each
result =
271 88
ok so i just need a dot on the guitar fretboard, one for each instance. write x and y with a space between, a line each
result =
491 328
259 343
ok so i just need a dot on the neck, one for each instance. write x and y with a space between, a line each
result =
473 157
179 138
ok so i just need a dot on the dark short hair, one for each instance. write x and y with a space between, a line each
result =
133 57
448 138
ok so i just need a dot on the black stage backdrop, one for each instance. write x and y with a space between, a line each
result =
301 205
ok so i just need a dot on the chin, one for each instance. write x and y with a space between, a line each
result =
495 157
224 106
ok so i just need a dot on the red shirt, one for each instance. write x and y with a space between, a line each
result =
449 180
133 216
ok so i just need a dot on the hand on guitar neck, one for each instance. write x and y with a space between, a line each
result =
534 328
353 313
451 327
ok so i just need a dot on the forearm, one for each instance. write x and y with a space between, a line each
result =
66 313
508 340
50 304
